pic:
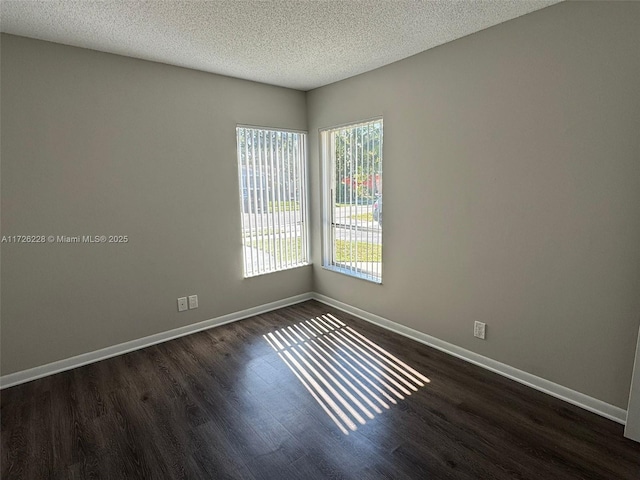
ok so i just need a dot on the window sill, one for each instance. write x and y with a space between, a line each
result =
293 267
355 273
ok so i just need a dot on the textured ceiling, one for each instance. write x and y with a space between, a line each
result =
300 44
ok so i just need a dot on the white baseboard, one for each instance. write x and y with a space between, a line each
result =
126 347
571 396
591 404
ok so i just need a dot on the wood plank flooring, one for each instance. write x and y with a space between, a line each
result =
222 404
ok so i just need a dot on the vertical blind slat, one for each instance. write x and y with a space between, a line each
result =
272 200
348 171
254 233
371 234
379 272
294 206
283 185
248 200
278 187
304 197
261 196
242 180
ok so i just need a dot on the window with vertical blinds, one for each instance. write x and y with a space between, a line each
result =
273 199
352 162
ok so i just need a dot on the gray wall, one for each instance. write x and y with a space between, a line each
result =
511 192
632 427
94 143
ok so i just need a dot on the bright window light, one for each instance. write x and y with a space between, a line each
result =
352 378
273 199
352 227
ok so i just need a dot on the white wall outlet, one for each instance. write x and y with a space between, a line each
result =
479 329
182 304
193 301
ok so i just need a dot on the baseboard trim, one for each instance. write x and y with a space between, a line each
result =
581 400
24 376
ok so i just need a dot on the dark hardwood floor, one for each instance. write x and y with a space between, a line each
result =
223 404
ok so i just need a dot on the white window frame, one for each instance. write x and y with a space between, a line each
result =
327 147
256 261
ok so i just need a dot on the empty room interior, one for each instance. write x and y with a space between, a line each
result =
196 277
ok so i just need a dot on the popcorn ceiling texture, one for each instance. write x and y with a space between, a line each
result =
297 44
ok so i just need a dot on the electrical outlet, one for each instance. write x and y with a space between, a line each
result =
479 329
182 304
193 301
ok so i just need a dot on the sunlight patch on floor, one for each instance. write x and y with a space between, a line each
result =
350 376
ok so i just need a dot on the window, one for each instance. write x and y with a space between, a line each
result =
352 161
273 199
